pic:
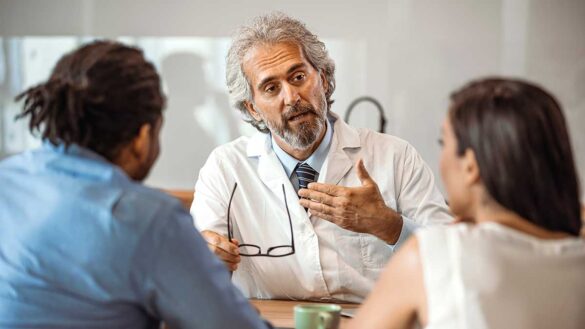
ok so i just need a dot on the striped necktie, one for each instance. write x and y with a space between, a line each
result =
305 174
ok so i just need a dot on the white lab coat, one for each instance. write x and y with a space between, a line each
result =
330 262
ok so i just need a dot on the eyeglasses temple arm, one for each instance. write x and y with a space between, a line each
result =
229 226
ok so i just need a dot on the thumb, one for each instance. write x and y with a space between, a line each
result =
236 242
363 174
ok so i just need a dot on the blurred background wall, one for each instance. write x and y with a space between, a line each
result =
408 54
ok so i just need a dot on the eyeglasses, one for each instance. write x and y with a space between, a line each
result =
252 250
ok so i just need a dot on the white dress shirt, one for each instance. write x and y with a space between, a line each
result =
329 262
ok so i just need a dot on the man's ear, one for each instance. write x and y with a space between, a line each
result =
470 167
252 111
324 81
140 145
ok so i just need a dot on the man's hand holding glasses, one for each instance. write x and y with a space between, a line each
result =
228 251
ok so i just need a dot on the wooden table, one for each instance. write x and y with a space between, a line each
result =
281 314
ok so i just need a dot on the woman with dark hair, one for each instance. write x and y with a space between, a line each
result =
513 259
82 243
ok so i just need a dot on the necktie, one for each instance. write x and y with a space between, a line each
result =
306 174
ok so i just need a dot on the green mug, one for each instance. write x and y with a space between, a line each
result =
317 316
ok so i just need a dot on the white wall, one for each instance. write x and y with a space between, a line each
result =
409 54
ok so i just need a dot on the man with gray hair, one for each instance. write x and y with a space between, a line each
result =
292 211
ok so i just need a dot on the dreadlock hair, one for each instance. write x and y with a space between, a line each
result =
98 96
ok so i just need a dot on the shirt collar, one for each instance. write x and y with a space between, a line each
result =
83 161
73 149
316 159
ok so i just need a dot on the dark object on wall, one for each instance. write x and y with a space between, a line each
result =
381 117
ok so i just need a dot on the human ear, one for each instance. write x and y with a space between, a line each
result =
140 145
324 81
252 110
470 167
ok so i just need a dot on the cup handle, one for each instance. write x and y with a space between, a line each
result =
325 320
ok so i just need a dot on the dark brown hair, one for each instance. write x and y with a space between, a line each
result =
520 139
98 96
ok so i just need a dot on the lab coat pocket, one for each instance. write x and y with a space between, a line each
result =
375 252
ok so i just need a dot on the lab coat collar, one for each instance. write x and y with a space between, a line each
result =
259 144
269 168
346 135
338 163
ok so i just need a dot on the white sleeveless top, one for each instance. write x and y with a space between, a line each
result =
492 276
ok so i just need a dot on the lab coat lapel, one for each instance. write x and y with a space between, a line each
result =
339 162
269 169
272 173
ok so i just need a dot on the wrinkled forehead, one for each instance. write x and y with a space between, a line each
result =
272 59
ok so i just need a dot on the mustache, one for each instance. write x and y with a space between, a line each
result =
299 109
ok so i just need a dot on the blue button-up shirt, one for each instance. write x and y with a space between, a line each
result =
84 246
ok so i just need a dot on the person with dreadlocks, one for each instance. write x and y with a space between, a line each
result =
82 243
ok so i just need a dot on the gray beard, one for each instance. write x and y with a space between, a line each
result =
307 135
308 131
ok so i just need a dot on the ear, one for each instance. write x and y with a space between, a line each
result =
252 110
470 167
324 81
140 145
